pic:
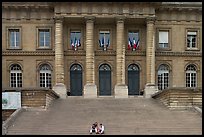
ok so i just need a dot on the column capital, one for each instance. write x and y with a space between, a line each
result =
90 18
120 19
150 20
59 19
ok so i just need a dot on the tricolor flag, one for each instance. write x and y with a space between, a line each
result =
101 42
75 42
79 44
108 43
72 43
134 44
129 44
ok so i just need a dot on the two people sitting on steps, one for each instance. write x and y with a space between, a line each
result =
98 129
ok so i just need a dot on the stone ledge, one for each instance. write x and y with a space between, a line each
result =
10 120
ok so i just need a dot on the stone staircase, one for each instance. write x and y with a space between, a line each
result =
75 115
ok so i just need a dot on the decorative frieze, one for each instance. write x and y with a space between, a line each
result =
28 53
99 53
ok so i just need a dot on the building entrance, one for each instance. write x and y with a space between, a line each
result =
133 79
76 80
104 80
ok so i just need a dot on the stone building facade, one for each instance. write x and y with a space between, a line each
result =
93 49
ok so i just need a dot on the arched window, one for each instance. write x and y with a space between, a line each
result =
163 77
45 76
15 76
133 67
104 67
191 76
76 67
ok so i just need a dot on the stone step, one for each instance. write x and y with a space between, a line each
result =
120 116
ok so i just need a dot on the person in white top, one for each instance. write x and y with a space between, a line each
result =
101 129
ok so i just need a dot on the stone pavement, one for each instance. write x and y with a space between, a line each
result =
138 116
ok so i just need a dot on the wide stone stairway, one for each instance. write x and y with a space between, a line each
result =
138 116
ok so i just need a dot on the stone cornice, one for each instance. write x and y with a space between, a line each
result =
100 53
28 53
105 53
75 53
135 53
187 54
26 5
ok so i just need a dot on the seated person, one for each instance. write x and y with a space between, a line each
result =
93 129
101 129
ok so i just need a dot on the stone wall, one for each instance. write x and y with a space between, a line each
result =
32 98
180 97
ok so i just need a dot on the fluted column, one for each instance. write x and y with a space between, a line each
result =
150 87
90 89
120 88
59 59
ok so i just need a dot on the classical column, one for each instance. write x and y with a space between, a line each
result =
90 89
121 90
59 87
150 87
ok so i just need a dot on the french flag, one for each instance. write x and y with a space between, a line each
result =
72 43
129 44
134 44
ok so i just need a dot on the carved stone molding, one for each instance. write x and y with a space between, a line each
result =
28 53
59 19
105 53
90 18
75 53
98 53
120 19
137 53
150 20
188 54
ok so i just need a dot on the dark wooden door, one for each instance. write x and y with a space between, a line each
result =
133 81
104 80
76 82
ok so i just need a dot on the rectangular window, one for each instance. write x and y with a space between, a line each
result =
163 39
104 39
191 39
133 40
14 38
44 38
75 39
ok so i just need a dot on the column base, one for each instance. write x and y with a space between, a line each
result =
90 91
60 89
121 91
149 90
